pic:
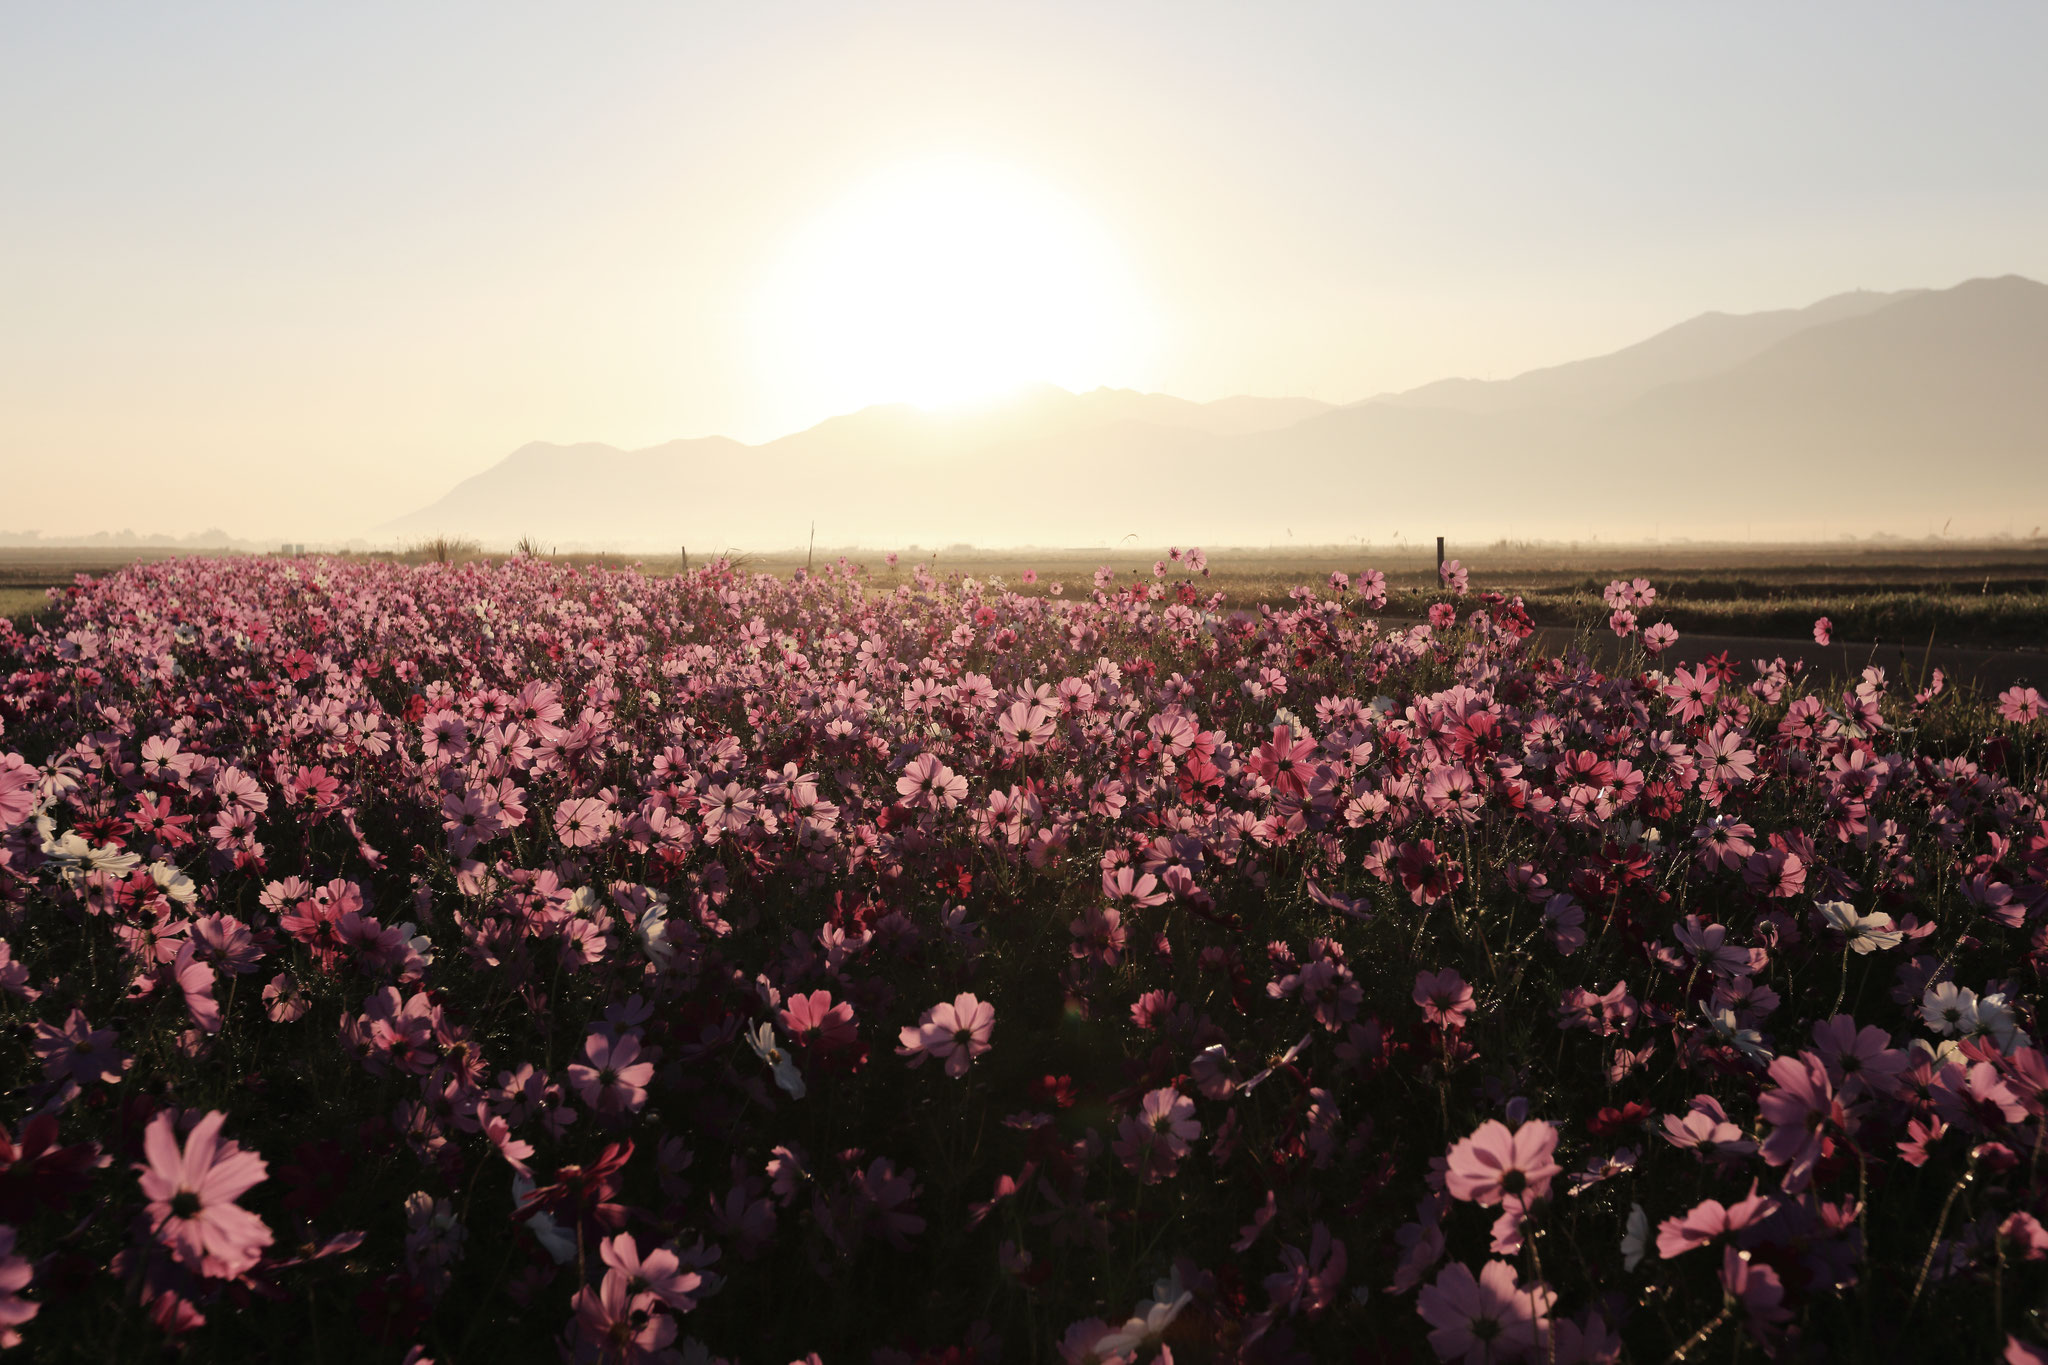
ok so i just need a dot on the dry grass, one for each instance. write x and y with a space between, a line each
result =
19 604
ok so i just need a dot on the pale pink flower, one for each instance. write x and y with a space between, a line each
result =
1711 1220
927 782
1498 1163
1151 1142
954 1032
659 1273
1823 630
1483 1319
581 821
499 1131
192 1195
622 1333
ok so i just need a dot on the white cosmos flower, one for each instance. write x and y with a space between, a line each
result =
1994 1020
1747 1041
1635 1238
1950 1010
1149 1320
762 1040
1864 933
557 1241
173 882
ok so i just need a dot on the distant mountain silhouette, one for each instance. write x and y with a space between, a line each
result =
1865 412
1702 346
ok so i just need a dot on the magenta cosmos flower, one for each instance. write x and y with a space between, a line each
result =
192 1196
1498 1163
954 1033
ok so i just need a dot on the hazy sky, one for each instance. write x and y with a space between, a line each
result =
296 269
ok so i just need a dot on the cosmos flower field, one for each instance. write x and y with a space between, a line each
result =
516 962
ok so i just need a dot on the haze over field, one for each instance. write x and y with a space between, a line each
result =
929 273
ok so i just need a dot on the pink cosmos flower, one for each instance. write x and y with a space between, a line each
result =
1711 1220
18 781
1692 690
1497 1163
192 1195
1801 1108
1823 631
1445 998
659 1273
2016 705
621 1333
1704 1128
283 1001
814 1020
1122 886
15 1273
1484 1319
1859 1060
1307 1283
1151 1142
1025 728
927 782
1758 1289
954 1033
1659 638
611 1079
582 821
195 980
499 1131
1454 576
1284 761
79 1053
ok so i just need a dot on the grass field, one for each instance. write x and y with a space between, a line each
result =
1991 596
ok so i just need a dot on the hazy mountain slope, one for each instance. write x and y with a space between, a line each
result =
1900 416
1939 400
874 465
1701 346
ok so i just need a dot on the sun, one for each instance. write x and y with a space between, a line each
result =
945 281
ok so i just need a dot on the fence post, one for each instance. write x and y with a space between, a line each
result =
1439 559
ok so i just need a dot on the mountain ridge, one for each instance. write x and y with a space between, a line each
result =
1862 409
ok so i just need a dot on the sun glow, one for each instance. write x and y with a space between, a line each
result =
948 281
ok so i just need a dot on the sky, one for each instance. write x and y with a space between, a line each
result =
294 270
